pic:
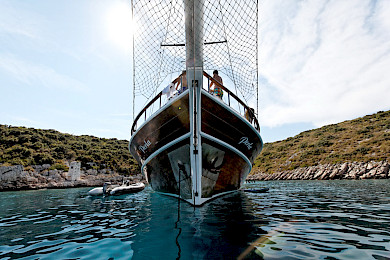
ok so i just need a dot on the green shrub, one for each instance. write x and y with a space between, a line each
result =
362 150
303 145
42 158
59 166
324 142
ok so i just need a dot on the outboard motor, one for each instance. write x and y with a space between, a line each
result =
105 188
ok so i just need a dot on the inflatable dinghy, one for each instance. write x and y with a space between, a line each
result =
109 189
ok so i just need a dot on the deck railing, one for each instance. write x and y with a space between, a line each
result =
248 112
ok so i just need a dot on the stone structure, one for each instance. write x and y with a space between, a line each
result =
74 171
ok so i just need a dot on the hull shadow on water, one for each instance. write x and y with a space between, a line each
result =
220 229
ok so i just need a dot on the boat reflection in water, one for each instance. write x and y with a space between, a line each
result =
220 229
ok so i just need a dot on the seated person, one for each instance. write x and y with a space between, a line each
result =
181 80
249 114
170 91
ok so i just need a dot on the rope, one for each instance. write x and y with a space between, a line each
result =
180 165
227 45
257 61
132 18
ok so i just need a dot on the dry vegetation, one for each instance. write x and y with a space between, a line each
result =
362 139
29 146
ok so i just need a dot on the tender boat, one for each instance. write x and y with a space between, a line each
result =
196 146
108 189
262 190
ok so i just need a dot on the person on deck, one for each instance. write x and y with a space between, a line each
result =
249 114
183 81
214 88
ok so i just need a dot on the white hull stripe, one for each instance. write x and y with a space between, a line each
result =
232 148
153 155
181 138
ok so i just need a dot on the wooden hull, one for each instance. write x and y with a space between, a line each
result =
229 145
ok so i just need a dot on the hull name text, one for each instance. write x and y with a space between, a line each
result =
145 146
244 140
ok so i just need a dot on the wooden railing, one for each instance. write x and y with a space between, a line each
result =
249 114
247 109
143 111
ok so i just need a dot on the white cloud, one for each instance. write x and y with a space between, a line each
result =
25 121
14 21
22 32
323 61
38 75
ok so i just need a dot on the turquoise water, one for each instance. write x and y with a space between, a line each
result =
294 220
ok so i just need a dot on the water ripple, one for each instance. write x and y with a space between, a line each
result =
294 220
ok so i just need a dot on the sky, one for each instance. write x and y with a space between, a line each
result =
66 65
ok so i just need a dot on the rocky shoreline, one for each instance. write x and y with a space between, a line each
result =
42 177
18 177
347 170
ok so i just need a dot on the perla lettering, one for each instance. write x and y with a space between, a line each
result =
245 141
145 146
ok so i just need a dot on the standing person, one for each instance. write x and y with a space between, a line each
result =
217 91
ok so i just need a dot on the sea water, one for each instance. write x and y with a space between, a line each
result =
293 220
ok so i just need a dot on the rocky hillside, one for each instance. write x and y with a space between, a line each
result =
29 146
362 140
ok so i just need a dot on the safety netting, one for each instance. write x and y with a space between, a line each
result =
230 34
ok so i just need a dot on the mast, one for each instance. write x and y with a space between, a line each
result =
193 10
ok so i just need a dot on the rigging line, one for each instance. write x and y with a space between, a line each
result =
171 72
161 56
174 61
132 17
257 57
168 24
230 59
